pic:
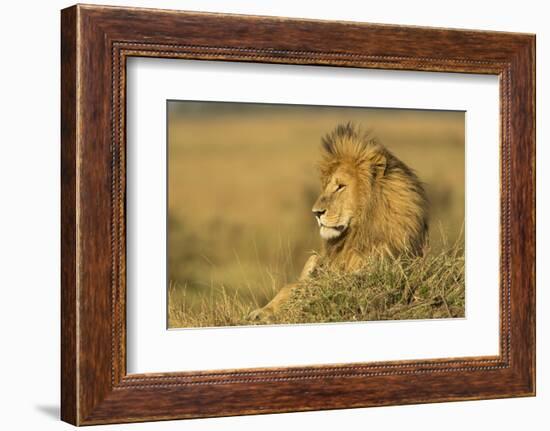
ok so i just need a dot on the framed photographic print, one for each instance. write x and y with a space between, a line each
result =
264 214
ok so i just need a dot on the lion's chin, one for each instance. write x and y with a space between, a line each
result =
328 233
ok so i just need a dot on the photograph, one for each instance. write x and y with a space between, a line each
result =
306 214
303 214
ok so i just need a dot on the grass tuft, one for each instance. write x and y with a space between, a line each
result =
406 288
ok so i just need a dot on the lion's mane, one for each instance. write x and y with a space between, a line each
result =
392 211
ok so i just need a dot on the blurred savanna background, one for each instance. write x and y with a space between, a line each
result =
242 179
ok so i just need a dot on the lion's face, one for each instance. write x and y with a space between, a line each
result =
336 206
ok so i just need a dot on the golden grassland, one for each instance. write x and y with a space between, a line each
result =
241 185
431 286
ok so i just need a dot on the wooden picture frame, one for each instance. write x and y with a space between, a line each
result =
95 43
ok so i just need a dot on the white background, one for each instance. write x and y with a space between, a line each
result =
29 216
151 348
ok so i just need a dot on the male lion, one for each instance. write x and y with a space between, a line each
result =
371 204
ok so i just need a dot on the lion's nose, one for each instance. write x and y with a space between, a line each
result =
318 213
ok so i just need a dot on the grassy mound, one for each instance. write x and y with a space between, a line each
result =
408 288
425 287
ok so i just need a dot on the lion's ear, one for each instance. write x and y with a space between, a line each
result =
379 164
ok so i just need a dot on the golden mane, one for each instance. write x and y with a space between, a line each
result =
391 202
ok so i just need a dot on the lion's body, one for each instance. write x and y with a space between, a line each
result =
371 205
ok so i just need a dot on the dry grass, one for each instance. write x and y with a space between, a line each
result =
408 288
425 287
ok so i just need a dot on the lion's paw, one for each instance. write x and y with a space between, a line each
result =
260 315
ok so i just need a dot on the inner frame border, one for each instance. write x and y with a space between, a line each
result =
122 50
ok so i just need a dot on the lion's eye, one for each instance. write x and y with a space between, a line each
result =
340 187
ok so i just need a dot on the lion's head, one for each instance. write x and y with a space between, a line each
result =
370 201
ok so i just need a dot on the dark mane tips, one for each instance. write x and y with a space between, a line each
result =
348 139
342 131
